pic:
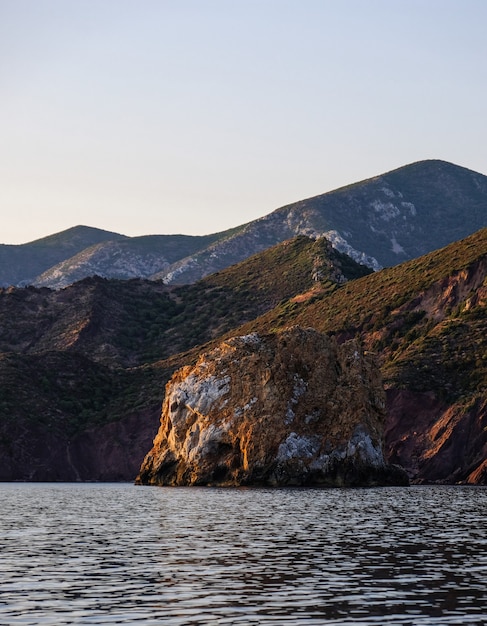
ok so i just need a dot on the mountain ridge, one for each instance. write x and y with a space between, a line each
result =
380 222
96 364
21 263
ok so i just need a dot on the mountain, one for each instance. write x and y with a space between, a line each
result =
83 369
134 257
426 320
21 264
380 222
81 380
128 323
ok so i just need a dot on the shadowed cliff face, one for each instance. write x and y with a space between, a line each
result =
291 408
112 452
435 441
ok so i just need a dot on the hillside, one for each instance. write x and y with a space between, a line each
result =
134 257
426 320
83 368
21 264
81 380
64 417
128 323
379 222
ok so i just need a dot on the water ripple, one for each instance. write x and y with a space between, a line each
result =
119 554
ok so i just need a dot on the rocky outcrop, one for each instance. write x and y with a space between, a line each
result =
291 408
437 442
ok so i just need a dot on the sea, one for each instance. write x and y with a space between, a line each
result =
91 553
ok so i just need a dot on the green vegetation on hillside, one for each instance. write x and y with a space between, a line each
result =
428 333
102 350
127 323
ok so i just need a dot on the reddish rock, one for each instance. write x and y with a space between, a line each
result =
435 442
111 452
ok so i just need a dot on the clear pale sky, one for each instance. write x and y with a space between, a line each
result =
193 116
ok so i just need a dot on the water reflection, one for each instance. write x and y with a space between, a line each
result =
104 554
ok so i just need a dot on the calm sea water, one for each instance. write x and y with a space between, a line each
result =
120 554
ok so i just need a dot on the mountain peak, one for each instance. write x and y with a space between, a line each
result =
379 222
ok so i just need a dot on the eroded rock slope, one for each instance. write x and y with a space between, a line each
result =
292 408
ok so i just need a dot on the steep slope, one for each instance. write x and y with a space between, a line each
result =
126 323
288 408
379 222
64 417
20 264
426 320
134 257
382 221
80 392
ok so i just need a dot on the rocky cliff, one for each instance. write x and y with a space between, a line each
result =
292 408
427 322
436 441
77 362
111 452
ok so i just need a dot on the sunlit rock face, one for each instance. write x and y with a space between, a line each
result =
292 408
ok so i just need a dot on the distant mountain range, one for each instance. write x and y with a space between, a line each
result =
379 222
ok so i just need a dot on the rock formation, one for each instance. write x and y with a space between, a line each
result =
437 442
291 408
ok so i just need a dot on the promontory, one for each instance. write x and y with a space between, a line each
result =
289 408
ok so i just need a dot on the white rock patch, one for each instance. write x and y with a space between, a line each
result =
239 411
396 247
295 446
410 206
200 394
201 444
342 245
361 445
387 192
385 210
252 339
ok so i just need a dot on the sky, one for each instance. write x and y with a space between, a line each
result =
194 116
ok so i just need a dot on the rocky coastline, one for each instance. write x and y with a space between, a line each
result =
291 408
